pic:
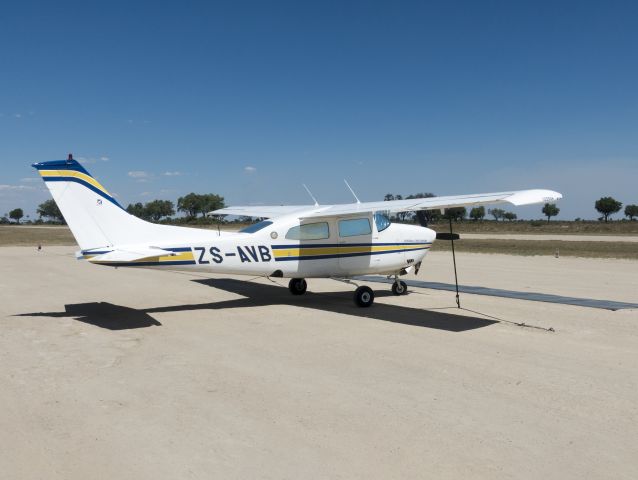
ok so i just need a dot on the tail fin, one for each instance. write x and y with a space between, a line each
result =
96 219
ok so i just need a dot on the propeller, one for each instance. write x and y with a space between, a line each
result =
447 236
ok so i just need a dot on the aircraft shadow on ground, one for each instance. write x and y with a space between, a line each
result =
116 317
103 315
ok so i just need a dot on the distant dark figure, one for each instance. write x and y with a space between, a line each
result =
39 247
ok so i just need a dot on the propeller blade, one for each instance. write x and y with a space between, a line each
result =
447 236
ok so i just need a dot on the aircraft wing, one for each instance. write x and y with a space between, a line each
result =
516 198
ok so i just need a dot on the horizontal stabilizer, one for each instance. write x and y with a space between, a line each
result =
132 255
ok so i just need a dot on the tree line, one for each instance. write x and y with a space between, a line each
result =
196 206
192 205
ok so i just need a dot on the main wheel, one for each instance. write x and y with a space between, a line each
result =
363 296
297 286
400 288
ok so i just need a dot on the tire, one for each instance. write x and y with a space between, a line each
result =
400 288
297 286
363 296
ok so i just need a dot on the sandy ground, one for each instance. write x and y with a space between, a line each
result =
136 374
545 236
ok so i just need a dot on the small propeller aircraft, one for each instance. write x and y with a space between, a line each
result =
296 242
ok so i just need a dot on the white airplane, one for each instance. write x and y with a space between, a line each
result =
296 242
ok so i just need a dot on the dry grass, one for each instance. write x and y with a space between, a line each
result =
56 235
40 235
542 227
627 250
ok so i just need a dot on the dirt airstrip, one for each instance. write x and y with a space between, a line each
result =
135 374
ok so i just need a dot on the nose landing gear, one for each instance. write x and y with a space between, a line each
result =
399 287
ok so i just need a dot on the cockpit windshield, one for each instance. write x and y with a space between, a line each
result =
382 221
255 227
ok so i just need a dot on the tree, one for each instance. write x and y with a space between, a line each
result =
138 210
388 197
4 220
455 213
607 206
496 213
194 204
510 216
550 210
631 211
158 209
16 214
477 213
50 210
425 217
190 204
210 202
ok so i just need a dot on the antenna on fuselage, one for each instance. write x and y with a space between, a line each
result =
351 190
311 195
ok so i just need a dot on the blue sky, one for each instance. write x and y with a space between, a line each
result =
252 99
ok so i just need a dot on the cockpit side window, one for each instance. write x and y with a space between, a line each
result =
382 221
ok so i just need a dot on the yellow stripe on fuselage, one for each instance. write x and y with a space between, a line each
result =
73 173
306 251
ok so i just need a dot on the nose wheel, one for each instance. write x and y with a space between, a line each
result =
297 286
399 287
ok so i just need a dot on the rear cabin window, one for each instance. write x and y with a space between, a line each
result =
353 227
309 231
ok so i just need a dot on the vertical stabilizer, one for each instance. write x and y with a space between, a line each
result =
95 218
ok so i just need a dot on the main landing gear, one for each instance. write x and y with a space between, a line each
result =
297 286
363 295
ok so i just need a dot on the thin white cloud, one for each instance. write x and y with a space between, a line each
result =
90 160
15 188
139 174
249 170
145 194
172 174
17 115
